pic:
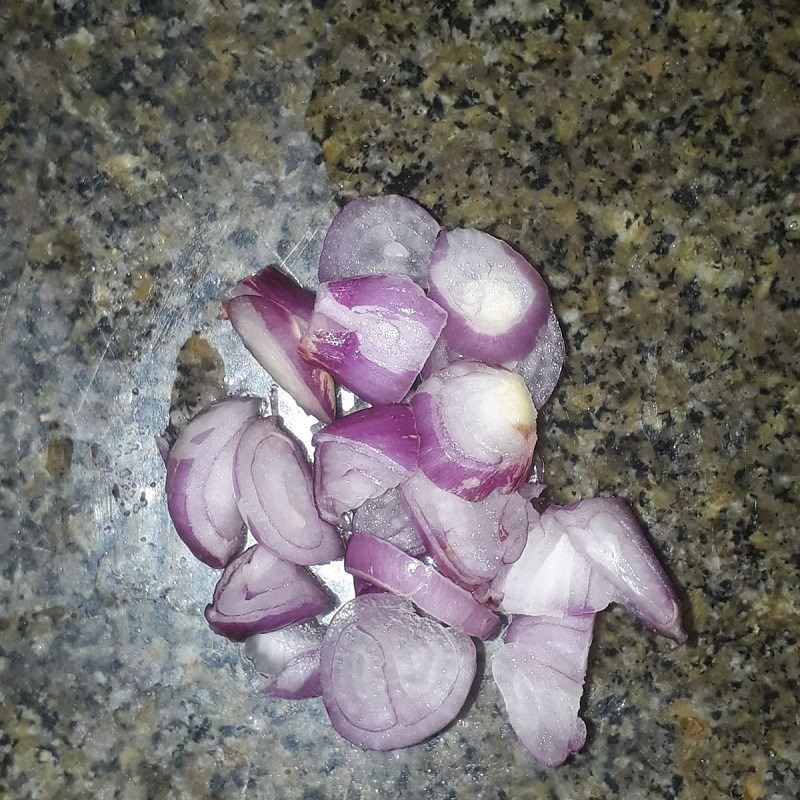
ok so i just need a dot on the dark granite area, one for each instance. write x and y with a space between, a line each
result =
646 155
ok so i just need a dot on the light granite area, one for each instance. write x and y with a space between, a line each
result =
644 154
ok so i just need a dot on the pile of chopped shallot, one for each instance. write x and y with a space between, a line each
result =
427 491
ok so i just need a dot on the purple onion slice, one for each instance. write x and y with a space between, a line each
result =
289 660
469 541
382 564
258 593
390 677
540 673
275 496
605 532
496 302
270 313
477 429
386 235
361 456
386 518
200 495
373 334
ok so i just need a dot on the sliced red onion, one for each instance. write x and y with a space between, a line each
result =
477 429
391 678
259 592
496 302
373 334
550 578
163 449
540 673
382 564
470 542
270 313
541 368
360 586
289 660
387 235
362 455
199 486
386 517
440 357
275 496
606 533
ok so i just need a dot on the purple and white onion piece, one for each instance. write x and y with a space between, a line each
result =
540 672
605 532
386 518
275 495
373 334
259 592
199 486
469 541
361 456
477 429
270 313
289 660
382 564
550 578
496 302
388 235
390 677
360 586
541 368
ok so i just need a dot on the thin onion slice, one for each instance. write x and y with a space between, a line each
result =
258 593
382 564
496 302
387 518
388 235
373 334
469 541
270 313
391 678
361 456
199 486
606 533
477 429
540 673
275 496
289 660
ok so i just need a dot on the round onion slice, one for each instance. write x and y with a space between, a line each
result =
289 660
275 496
200 495
373 334
258 592
391 678
362 455
540 673
496 302
270 312
477 429
386 517
387 235
470 542
382 564
541 368
606 533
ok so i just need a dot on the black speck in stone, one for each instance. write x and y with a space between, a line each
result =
243 237
405 181
685 197
665 241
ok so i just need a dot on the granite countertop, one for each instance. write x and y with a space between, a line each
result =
646 155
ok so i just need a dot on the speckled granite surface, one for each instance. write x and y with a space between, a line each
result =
152 151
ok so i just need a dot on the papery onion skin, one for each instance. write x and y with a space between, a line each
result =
390 677
463 401
199 484
373 334
289 594
540 672
275 495
361 456
382 564
475 278
607 534
384 235
270 313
